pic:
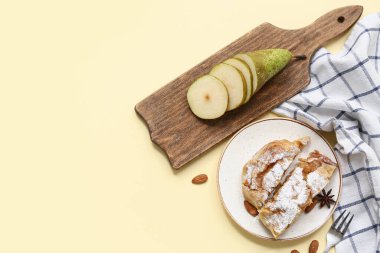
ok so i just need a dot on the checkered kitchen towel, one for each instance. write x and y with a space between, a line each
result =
344 96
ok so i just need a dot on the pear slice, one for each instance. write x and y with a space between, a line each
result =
234 81
246 71
269 62
207 97
249 62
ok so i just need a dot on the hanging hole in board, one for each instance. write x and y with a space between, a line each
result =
341 19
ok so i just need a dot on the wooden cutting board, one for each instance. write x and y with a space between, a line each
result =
183 137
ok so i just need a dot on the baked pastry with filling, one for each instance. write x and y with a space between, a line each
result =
263 173
309 177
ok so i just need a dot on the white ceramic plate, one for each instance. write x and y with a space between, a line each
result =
242 146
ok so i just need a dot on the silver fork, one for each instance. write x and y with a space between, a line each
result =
336 232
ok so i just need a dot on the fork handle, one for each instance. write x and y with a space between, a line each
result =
328 247
333 239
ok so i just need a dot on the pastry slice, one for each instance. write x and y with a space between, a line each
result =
318 178
263 173
309 177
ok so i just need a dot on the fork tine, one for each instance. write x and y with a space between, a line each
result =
348 224
342 223
337 220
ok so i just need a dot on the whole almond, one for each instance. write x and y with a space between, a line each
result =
250 208
294 251
311 206
313 246
200 179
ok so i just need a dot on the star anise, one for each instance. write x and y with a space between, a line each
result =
325 198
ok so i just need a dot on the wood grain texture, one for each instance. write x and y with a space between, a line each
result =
183 136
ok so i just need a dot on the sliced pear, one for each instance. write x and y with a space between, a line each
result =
245 70
249 62
269 62
207 97
234 81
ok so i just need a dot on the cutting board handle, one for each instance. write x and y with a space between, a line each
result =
330 25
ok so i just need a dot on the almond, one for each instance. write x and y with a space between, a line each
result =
250 208
311 206
200 179
294 251
313 246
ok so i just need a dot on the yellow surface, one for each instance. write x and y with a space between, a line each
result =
78 170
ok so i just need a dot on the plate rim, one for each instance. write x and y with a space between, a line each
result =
272 238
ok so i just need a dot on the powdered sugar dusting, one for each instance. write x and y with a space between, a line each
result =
271 156
316 182
273 177
265 171
254 167
262 194
248 176
293 194
280 221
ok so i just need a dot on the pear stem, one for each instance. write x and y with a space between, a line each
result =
300 57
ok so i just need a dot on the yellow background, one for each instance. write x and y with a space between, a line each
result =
78 170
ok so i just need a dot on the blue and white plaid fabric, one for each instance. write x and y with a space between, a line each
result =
344 96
